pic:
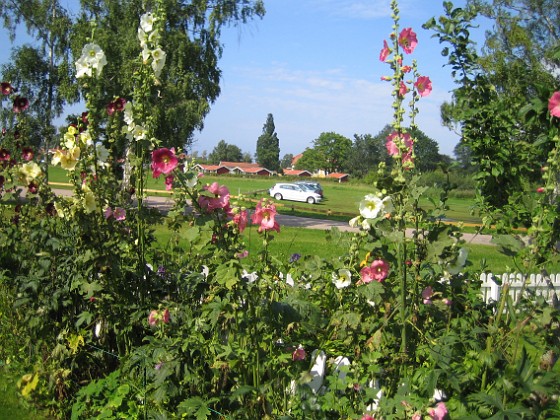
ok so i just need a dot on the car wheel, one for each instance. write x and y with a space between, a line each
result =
278 196
310 200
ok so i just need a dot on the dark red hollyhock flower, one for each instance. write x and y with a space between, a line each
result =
6 88
85 118
32 188
20 104
111 108
50 209
4 131
16 134
27 153
119 104
4 155
2 180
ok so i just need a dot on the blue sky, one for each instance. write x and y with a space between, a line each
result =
314 65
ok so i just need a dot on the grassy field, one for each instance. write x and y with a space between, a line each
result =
340 202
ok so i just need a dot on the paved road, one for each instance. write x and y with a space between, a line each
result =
165 203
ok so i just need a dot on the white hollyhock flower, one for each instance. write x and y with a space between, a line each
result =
159 60
92 58
147 22
342 279
371 206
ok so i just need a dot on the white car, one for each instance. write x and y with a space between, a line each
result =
294 192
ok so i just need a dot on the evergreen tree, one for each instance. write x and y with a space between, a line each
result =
268 146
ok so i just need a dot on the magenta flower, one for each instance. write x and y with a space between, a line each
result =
384 52
119 214
7 88
439 412
554 105
406 69
163 161
264 216
540 190
20 104
169 182
110 108
156 317
165 316
423 85
407 40
367 417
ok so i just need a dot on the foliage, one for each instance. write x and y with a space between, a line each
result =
225 152
117 326
268 146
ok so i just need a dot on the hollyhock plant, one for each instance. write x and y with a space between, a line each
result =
424 85
427 294
403 89
220 200
119 214
342 279
264 216
554 105
164 161
240 219
169 182
407 40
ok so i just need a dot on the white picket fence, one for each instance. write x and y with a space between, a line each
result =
547 286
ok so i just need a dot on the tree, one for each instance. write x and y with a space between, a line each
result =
286 161
310 160
500 102
268 146
225 152
426 151
463 153
366 153
332 150
41 72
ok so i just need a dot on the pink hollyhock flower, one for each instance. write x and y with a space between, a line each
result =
402 89
406 69
220 199
163 161
240 219
392 143
27 153
20 104
384 52
377 271
427 294
108 212
416 416
265 217
299 354
386 78
423 85
153 317
439 412
165 316
540 190
407 40
554 105
7 88
119 214
169 182
367 417
242 254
